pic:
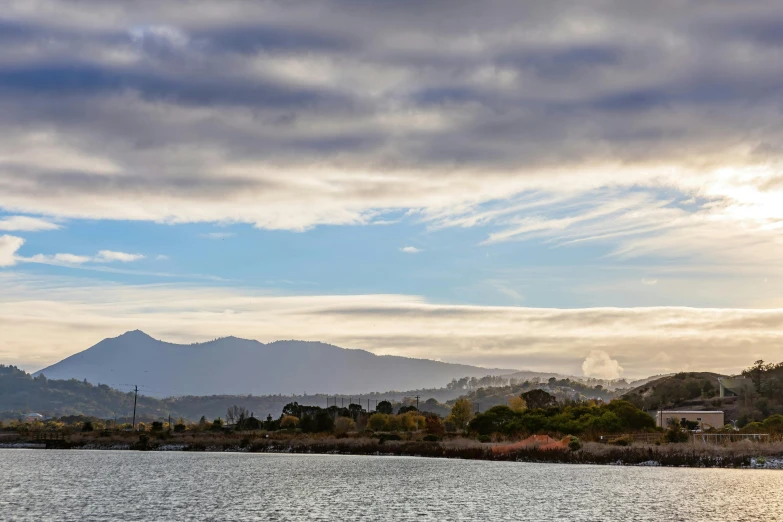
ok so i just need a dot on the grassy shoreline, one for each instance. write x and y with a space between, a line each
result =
737 455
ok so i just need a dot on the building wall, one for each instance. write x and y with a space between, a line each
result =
706 419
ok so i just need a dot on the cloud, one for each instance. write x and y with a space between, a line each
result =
26 224
218 235
598 364
9 245
104 256
70 314
108 256
289 117
410 250
649 282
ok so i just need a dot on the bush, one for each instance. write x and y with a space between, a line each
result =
675 434
87 427
289 422
624 440
484 438
388 436
343 425
431 438
574 444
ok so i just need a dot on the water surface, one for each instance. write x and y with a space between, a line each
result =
124 485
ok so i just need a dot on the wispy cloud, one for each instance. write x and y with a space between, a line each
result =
26 224
104 256
217 235
71 314
108 256
410 250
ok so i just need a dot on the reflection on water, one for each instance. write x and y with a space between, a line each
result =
106 485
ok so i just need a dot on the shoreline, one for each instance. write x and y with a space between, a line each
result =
680 455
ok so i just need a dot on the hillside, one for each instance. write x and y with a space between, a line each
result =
674 391
21 393
232 366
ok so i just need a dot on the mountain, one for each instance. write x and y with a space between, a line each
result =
233 366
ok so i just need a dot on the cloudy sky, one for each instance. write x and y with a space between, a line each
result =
586 188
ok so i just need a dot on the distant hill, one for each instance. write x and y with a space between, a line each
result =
20 393
232 366
674 390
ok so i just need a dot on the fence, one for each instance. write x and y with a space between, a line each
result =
726 438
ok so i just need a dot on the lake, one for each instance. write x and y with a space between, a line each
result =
68 485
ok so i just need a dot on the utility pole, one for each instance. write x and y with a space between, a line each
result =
135 396
169 422
417 402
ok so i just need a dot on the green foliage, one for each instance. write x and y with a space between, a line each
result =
674 390
385 407
21 393
539 399
615 417
574 444
676 433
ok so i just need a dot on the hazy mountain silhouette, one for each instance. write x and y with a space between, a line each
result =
240 366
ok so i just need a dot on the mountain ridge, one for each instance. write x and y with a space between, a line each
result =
232 365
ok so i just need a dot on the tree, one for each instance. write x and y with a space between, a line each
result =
378 421
517 404
236 414
385 407
756 373
434 426
461 413
538 399
344 425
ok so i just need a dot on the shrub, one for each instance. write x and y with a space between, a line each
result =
87 426
388 436
574 444
484 438
343 425
624 440
289 422
431 438
676 434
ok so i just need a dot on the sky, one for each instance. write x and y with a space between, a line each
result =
585 187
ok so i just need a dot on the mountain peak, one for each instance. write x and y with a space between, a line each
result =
134 334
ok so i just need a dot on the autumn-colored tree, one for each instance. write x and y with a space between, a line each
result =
461 413
289 422
378 421
344 425
434 426
411 421
517 404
